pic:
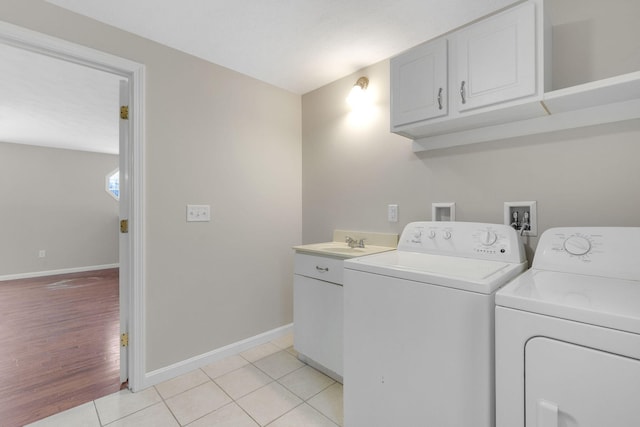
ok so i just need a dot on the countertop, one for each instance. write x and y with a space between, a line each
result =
341 249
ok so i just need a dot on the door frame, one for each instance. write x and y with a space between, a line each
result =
135 73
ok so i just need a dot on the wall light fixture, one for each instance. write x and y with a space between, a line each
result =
357 95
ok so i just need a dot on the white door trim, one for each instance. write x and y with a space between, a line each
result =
124 213
41 43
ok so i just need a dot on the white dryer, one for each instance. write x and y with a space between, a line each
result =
418 326
568 333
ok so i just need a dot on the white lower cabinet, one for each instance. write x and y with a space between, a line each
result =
317 312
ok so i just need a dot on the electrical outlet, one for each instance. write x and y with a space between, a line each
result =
198 213
42 253
522 216
392 213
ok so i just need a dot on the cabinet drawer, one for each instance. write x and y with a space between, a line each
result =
319 267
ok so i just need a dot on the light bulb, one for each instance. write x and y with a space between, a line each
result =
358 95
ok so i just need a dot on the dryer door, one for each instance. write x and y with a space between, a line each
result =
568 385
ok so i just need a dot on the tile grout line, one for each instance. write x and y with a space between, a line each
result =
164 402
290 410
234 401
95 408
132 413
303 400
273 380
296 407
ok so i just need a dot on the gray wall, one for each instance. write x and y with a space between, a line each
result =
55 200
353 167
213 136
217 137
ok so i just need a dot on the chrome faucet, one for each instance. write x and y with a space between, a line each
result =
353 243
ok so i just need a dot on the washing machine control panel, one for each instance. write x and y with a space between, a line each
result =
600 251
471 240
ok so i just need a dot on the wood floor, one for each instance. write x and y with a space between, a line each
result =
59 344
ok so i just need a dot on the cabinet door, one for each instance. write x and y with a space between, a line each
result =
496 59
419 84
317 321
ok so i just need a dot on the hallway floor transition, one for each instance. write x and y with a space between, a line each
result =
59 343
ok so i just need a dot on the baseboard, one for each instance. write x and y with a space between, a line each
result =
163 374
56 272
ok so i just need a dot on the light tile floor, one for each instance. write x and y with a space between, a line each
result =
264 386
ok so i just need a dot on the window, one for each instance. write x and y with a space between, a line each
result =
113 184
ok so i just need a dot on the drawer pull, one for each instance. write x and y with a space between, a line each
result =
322 269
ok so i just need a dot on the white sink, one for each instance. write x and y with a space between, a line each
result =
346 250
340 249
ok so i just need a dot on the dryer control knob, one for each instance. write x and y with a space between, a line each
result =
488 238
446 234
432 234
577 245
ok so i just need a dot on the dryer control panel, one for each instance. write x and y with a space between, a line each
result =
597 251
463 239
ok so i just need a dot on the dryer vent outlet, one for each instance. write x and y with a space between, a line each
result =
522 217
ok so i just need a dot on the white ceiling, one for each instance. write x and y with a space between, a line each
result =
297 45
50 102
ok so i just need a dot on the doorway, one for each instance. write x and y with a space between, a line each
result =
131 304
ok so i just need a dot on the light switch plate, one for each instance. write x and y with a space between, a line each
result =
198 213
392 213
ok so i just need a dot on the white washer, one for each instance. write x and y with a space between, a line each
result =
568 333
418 326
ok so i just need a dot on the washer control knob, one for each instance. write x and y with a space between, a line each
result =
432 234
577 245
446 234
488 238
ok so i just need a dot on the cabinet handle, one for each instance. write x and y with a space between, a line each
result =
322 269
462 92
440 99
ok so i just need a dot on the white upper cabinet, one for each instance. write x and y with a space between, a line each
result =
495 59
419 83
466 79
491 80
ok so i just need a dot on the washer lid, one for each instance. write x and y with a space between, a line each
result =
468 274
613 303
